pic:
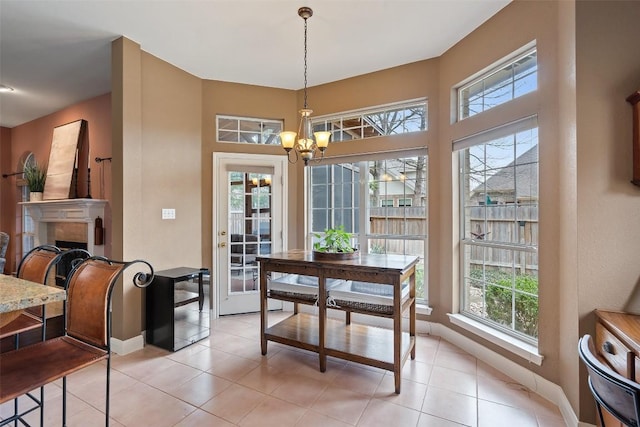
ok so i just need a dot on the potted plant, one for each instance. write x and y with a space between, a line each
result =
35 177
334 243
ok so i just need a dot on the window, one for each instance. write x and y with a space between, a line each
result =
247 130
391 119
360 196
499 227
510 80
28 225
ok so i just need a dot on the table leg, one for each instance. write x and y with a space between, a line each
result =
412 312
322 321
397 332
263 310
200 290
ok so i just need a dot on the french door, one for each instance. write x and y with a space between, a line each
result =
249 221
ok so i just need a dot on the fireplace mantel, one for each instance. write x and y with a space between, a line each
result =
67 210
48 212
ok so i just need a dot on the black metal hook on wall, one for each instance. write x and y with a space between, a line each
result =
7 175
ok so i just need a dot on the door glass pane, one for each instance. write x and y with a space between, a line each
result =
249 226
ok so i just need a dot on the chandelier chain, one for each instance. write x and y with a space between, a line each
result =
305 63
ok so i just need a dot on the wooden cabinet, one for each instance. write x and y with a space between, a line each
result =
617 341
382 348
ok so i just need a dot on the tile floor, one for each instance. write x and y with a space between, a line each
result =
224 381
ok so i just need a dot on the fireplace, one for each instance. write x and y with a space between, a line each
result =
69 222
64 266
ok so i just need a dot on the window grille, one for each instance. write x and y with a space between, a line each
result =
513 78
499 229
246 130
392 119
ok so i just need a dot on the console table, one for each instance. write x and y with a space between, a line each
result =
374 346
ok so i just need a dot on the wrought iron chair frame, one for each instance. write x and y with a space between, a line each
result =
89 339
616 394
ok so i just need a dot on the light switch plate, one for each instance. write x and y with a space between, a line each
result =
168 213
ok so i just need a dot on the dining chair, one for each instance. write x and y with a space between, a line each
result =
86 340
35 266
618 395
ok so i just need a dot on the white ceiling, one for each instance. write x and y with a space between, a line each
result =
55 53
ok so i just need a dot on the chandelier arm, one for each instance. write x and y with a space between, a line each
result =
289 157
318 160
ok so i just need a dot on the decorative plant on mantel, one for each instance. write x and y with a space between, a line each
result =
334 243
35 176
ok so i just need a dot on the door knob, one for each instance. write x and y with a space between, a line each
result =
222 244
223 233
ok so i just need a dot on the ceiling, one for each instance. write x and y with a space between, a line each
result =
55 53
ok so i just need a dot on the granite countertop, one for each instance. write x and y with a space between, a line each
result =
16 294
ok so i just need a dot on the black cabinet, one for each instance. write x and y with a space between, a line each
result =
177 307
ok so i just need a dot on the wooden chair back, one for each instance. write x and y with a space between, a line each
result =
611 391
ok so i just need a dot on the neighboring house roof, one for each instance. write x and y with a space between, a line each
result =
504 182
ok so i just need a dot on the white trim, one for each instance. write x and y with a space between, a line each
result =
279 228
423 309
488 135
128 346
375 109
522 375
512 344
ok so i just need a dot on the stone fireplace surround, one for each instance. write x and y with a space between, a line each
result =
71 220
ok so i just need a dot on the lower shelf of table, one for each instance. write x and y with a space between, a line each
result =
355 342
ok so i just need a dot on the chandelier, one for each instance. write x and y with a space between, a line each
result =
304 142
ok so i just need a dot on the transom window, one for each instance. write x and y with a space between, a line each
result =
248 130
499 227
510 80
392 119
360 195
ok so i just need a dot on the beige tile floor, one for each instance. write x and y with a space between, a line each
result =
225 381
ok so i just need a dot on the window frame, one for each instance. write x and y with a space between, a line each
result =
262 123
364 235
461 145
491 71
345 118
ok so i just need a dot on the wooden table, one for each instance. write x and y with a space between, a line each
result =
382 348
18 294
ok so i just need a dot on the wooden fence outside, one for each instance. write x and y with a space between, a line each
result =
499 225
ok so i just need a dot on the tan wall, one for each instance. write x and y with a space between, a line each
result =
36 136
164 123
608 70
157 140
234 99
8 193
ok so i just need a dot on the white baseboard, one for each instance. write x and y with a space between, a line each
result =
543 387
125 347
